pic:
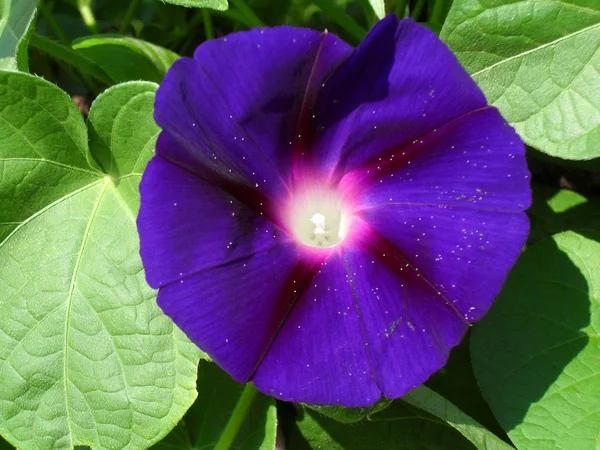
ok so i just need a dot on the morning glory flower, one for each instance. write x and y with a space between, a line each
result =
325 221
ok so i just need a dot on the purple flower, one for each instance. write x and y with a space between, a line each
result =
327 221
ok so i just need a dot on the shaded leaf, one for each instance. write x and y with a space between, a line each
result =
400 426
456 383
555 210
430 401
125 58
536 354
351 415
16 17
86 356
537 61
203 424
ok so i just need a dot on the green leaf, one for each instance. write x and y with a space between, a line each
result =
379 8
457 384
16 17
430 401
125 58
203 424
351 415
537 61
555 210
536 354
86 356
400 426
219 5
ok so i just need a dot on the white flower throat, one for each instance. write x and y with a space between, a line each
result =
318 219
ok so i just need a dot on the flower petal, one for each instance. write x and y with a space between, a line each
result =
401 83
476 162
187 225
233 311
465 254
319 355
452 205
235 107
409 327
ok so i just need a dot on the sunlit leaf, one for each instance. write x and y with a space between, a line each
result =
537 61
86 356
16 17
220 5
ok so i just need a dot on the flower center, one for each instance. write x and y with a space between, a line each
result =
318 218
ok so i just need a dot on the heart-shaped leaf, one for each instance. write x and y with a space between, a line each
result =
86 356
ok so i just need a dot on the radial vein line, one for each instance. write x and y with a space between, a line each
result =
54 163
533 50
69 302
47 207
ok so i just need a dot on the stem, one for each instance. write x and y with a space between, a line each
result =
439 11
247 11
56 29
331 10
401 8
87 15
70 56
237 417
208 28
417 10
131 10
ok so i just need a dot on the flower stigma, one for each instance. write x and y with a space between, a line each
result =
318 218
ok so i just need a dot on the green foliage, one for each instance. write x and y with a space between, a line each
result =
86 356
399 427
16 17
205 421
537 61
536 354
428 400
379 7
351 415
125 58
219 5
87 359
555 210
457 384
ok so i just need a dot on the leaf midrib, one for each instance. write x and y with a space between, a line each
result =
533 50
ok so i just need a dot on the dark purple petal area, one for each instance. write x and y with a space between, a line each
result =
233 311
410 328
464 253
187 224
401 83
452 204
235 107
477 161
319 356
